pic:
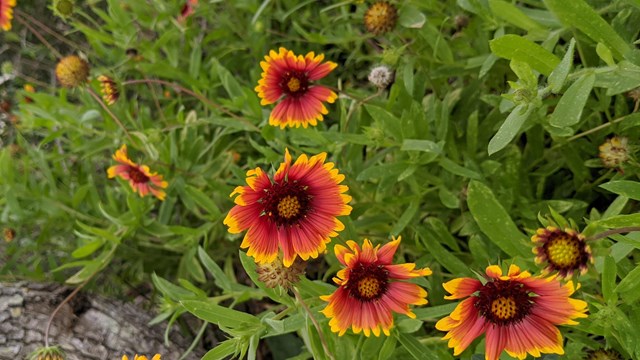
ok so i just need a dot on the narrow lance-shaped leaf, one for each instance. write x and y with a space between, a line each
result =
494 220
510 128
569 108
579 14
560 73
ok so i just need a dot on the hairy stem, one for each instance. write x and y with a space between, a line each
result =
106 108
610 232
38 35
314 321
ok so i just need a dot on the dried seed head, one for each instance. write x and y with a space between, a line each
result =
381 76
602 354
634 94
275 273
380 17
614 152
9 234
72 71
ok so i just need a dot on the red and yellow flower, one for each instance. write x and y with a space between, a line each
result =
565 251
289 76
517 312
6 13
141 179
187 9
142 357
295 211
369 292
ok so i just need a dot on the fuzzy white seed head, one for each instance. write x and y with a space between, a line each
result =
381 76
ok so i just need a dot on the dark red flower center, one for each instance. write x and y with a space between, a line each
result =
294 83
286 203
137 176
504 302
367 282
565 252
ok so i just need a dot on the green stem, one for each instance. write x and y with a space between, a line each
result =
315 323
610 232
195 95
195 341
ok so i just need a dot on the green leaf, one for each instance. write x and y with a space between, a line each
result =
579 14
513 15
203 200
387 120
560 73
411 17
605 54
87 249
222 351
609 280
388 348
174 292
495 222
220 315
421 145
406 217
516 47
509 128
415 347
629 287
569 108
456 169
620 221
93 267
220 277
434 312
441 254
627 188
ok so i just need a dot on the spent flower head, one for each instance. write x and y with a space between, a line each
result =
72 71
274 273
381 17
614 151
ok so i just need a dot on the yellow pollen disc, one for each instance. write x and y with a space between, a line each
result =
293 84
289 207
504 308
562 251
369 287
